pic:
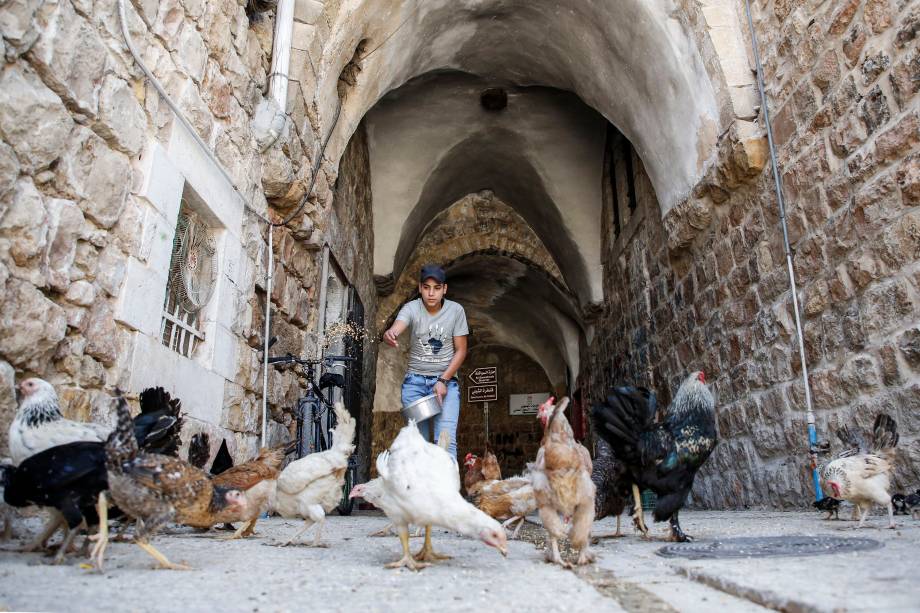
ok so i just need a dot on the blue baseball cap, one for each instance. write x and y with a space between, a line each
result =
432 271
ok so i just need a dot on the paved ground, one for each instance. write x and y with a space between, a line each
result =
253 575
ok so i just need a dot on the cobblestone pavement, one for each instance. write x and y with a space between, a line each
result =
348 575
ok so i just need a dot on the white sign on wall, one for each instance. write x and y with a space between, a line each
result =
526 404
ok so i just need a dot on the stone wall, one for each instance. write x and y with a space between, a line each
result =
93 168
706 288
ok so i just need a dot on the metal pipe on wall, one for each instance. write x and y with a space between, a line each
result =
778 184
269 275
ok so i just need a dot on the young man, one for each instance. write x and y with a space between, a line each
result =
438 348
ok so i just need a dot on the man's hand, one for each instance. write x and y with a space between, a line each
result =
389 337
441 390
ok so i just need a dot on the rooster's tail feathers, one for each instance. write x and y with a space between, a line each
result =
121 443
624 415
343 437
885 433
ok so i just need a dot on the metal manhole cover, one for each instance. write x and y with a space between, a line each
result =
769 546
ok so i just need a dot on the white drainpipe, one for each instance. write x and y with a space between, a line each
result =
281 52
271 115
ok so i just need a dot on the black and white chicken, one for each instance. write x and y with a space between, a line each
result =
39 423
663 453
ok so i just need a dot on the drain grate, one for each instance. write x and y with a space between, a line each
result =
768 546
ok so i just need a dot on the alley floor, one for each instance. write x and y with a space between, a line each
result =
348 575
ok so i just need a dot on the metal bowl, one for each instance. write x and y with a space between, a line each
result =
422 409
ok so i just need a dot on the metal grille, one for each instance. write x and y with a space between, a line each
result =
179 326
179 329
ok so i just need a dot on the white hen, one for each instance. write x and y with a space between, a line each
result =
39 424
861 475
312 486
421 485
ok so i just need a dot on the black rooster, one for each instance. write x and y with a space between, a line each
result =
662 455
67 478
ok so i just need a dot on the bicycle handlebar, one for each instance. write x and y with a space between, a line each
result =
290 359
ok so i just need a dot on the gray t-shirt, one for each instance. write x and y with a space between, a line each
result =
432 336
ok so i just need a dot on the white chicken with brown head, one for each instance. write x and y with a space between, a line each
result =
862 475
421 485
40 425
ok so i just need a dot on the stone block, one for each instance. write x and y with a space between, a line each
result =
121 119
71 58
905 79
842 18
8 403
140 304
909 28
874 109
908 177
878 202
853 45
31 326
17 23
897 141
25 224
877 14
886 306
33 119
65 226
909 345
100 333
827 71
9 172
874 64
95 175
191 54
111 274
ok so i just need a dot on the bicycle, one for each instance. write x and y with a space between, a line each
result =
318 407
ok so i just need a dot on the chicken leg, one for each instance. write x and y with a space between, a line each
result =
41 541
159 557
554 530
65 544
639 517
243 531
427 553
102 536
406 560
676 533
615 535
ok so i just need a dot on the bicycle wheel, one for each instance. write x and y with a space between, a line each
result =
347 505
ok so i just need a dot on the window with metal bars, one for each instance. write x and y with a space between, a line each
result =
179 328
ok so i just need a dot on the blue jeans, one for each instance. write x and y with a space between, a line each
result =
417 386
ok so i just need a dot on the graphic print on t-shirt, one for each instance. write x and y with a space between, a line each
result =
432 341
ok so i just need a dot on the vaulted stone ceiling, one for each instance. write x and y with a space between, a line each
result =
639 63
431 142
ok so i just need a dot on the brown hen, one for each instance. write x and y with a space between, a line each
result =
256 479
156 490
562 484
